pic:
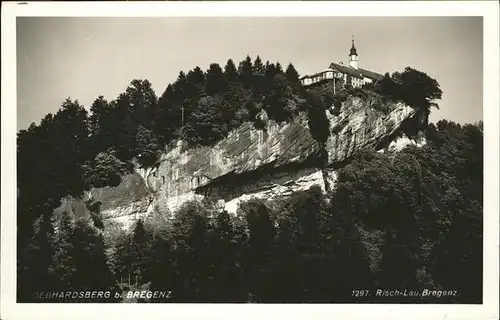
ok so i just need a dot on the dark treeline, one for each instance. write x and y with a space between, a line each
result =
75 149
412 220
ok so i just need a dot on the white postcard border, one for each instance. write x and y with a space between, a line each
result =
487 9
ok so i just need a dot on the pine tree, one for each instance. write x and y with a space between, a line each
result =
124 136
287 266
70 146
123 259
169 116
270 71
180 88
259 80
216 82
98 125
189 235
258 68
227 275
398 266
64 266
291 74
230 71
88 251
195 80
269 75
140 242
143 102
39 252
162 269
277 100
261 241
245 71
279 68
147 147
343 263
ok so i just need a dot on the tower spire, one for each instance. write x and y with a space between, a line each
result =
353 48
353 55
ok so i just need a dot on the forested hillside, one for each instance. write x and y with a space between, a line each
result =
407 220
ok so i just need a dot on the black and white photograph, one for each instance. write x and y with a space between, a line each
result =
234 159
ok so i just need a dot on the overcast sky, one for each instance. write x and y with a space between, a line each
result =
83 58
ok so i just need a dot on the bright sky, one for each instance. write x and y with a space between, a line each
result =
83 58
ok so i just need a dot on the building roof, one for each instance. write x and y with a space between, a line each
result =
347 70
353 49
370 74
315 74
357 73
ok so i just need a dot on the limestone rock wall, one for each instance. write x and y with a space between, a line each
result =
359 126
249 163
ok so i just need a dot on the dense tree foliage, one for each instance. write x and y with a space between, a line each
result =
413 87
410 220
291 74
407 220
105 170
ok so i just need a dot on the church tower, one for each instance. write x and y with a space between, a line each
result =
353 56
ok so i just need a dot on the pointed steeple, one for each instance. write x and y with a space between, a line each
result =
353 51
353 56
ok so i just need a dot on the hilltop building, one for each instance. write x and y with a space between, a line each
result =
351 74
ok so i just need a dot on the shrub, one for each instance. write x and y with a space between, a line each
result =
319 125
105 170
147 147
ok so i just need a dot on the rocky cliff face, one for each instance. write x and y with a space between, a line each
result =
269 163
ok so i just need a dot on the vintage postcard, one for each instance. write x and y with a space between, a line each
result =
250 159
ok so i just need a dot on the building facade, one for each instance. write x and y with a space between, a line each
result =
350 74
